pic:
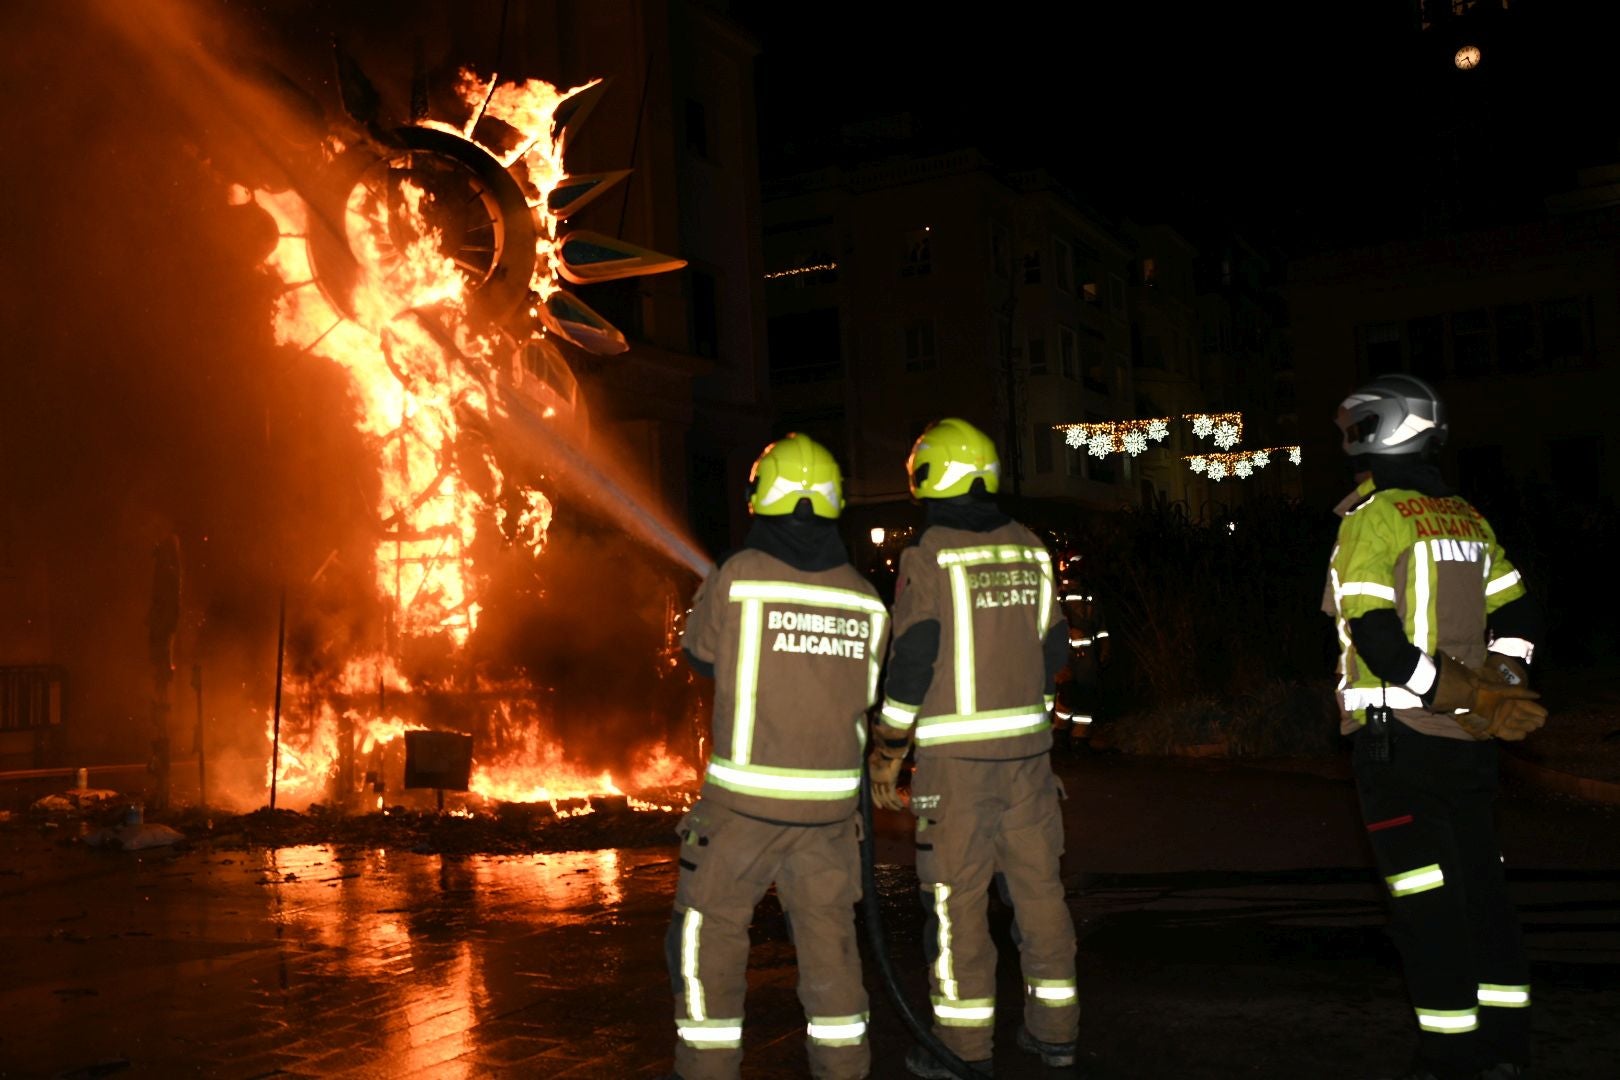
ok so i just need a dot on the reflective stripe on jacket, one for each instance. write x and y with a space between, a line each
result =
796 657
1433 560
994 598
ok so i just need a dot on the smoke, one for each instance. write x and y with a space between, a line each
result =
143 398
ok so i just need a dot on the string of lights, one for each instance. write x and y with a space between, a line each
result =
1100 438
818 268
1226 428
1115 436
1241 464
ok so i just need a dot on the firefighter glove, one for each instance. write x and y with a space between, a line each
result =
1510 668
1515 718
1484 703
883 773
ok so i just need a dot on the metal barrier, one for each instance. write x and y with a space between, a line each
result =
31 697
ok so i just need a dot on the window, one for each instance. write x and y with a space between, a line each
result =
704 325
1116 295
1074 460
1088 292
919 345
1149 271
1035 349
1516 337
1426 340
1563 331
1102 470
805 347
697 128
1042 442
1471 342
1093 372
826 426
918 258
1032 266
1000 257
1381 347
1068 359
1063 265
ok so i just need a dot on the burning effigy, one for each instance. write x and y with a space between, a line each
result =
428 262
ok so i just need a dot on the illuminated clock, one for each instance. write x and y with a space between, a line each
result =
1467 57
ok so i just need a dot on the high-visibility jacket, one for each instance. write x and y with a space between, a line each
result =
993 596
796 657
1435 561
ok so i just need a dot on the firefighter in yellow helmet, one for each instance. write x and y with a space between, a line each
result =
1435 632
979 639
793 637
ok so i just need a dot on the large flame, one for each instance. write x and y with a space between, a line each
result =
418 372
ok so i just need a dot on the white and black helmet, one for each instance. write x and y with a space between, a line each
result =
1392 414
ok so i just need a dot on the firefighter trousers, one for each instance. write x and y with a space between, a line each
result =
979 821
1429 816
728 860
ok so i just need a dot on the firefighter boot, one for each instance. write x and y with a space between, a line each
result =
919 1062
1053 1055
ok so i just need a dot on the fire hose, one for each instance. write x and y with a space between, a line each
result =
880 945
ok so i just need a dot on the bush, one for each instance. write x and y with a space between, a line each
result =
1218 633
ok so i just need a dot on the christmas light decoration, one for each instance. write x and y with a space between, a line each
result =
816 269
1115 436
1240 464
1226 428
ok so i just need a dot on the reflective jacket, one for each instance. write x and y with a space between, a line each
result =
992 594
796 657
1435 561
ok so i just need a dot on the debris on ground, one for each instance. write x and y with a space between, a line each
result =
75 800
135 837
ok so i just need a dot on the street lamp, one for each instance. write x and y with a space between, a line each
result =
878 534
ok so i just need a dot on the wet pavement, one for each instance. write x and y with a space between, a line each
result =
1229 928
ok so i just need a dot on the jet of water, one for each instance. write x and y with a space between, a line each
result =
544 447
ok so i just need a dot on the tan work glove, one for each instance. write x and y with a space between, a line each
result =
1510 668
1484 703
883 772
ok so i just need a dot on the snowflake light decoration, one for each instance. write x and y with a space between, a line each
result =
1241 463
1202 426
1104 437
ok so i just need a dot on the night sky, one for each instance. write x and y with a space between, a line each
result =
1307 123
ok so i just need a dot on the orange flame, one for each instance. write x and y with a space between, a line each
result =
417 370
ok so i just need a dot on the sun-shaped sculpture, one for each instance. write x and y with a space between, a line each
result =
492 193
428 261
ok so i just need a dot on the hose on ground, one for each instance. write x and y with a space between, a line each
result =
920 1030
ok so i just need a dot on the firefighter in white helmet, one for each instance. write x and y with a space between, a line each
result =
793 637
979 639
1435 632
